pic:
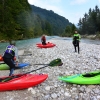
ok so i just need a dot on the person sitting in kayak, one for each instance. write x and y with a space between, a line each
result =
76 40
8 56
43 40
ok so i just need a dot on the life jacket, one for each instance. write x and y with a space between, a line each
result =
10 50
76 37
43 38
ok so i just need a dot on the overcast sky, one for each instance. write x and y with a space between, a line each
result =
72 10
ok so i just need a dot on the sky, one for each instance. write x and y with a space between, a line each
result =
72 10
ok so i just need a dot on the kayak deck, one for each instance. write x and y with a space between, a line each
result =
20 65
48 45
18 82
87 78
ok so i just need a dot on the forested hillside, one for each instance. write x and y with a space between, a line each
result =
90 23
19 20
13 19
56 22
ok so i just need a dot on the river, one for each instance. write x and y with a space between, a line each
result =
21 44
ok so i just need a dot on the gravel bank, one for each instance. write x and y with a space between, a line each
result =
73 63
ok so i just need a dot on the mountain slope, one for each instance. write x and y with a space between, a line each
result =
57 22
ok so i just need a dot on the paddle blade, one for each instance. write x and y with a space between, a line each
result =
56 62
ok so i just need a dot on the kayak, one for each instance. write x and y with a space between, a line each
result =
21 81
86 78
6 67
1 59
48 45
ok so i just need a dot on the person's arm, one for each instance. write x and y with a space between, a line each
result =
16 55
79 37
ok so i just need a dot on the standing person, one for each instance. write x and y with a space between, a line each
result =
76 40
8 57
43 40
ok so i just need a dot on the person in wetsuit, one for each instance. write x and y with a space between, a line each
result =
76 40
8 56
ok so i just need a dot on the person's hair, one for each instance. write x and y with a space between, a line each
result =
13 43
43 35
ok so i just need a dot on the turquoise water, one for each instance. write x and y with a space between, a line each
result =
83 40
25 43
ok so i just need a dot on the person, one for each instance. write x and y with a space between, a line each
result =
76 40
8 56
43 40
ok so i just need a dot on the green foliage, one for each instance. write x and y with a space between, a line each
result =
19 20
69 31
90 23
11 10
54 23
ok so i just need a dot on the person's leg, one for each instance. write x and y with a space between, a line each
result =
12 67
78 47
11 71
74 46
11 64
43 43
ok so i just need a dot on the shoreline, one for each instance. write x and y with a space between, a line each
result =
21 46
73 63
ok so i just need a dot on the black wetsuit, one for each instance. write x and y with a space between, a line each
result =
9 60
76 43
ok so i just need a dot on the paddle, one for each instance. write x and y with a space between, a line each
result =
52 63
55 62
26 55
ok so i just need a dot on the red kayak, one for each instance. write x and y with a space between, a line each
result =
48 45
18 82
1 59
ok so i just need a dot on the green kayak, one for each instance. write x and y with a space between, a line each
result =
87 78
6 67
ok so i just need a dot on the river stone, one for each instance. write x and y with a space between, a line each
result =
67 94
47 88
32 90
54 95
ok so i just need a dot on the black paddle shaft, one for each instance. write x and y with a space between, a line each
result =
36 69
55 62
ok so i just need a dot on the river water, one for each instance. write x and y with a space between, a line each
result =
21 44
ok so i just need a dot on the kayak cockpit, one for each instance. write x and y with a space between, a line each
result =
91 74
6 79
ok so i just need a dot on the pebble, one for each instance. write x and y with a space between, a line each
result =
73 63
47 88
54 95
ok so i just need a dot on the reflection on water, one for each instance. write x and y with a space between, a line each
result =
25 43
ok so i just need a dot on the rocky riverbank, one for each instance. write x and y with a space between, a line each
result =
73 63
